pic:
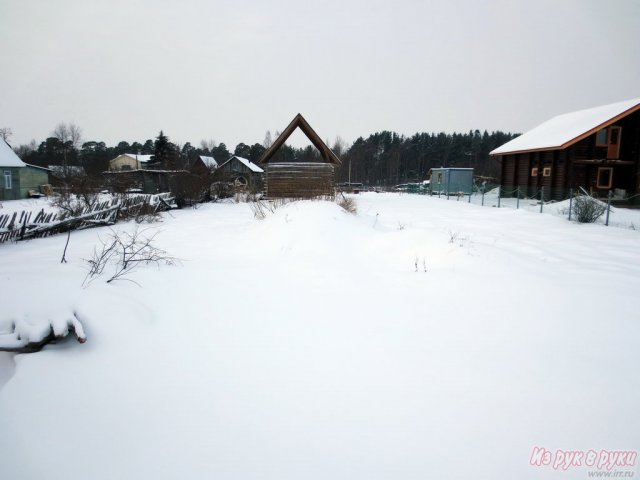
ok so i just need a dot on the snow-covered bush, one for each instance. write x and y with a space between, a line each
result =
587 209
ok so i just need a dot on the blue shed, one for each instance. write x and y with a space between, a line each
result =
452 181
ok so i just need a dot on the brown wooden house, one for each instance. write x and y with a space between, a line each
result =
291 179
597 149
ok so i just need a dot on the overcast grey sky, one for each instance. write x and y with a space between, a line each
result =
231 70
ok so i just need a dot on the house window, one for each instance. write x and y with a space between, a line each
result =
605 177
534 172
546 172
601 138
7 179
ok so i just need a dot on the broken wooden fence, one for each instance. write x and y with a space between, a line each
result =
21 226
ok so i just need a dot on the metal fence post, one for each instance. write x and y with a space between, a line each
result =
606 222
470 193
541 198
518 198
570 202
482 196
499 192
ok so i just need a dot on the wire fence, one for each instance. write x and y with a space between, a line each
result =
496 196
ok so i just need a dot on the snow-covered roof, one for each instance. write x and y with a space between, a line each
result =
247 163
569 128
141 158
210 162
8 157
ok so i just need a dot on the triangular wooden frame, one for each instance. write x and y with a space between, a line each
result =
299 122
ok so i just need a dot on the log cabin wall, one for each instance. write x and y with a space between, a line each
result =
559 175
300 180
523 172
509 173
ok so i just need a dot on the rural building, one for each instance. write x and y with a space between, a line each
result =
242 172
300 179
451 181
19 180
129 161
204 164
597 149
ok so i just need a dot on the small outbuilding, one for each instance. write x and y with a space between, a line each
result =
451 181
242 172
19 179
300 179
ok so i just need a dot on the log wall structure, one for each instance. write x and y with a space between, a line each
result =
300 179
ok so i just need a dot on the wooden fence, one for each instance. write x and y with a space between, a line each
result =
24 225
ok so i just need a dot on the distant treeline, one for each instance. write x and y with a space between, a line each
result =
384 158
387 158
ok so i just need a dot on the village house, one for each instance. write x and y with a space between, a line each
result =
597 149
19 180
129 161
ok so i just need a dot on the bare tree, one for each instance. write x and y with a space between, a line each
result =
26 148
75 135
339 146
70 136
61 132
5 133
267 142
208 144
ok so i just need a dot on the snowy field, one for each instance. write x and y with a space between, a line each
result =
307 346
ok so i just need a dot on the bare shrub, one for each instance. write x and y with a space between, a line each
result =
190 189
587 209
348 204
81 194
261 208
68 205
221 190
121 183
122 253
147 213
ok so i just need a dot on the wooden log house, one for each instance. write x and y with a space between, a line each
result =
291 179
597 149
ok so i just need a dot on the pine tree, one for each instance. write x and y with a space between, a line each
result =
166 154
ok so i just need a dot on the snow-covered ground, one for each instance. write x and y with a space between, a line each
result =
306 345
